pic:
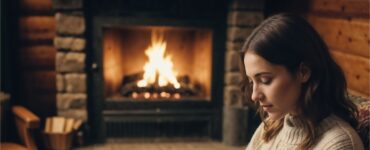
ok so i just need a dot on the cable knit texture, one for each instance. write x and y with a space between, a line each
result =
334 134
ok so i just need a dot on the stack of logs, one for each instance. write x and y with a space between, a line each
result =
154 91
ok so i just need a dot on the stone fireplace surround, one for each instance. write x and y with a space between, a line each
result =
72 64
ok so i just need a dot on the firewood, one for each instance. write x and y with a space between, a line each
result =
185 79
77 124
129 86
58 124
132 78
48 125
69 125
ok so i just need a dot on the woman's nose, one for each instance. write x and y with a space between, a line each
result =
256 94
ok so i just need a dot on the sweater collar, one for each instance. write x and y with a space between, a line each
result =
293 129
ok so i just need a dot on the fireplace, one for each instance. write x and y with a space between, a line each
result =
126 101
157 81
157 63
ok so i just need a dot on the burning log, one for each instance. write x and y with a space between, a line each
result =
132 78
131 89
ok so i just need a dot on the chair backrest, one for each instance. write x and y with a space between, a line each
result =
26 121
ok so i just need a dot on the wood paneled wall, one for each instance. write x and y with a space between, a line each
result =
344 25
37 56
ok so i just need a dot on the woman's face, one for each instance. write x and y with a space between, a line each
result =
274 88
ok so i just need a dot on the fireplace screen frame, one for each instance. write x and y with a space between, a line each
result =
209 111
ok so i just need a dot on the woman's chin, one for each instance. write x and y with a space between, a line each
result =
275 116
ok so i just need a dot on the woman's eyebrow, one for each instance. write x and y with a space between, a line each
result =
259 74
262 73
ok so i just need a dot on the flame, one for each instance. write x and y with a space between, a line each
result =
158 68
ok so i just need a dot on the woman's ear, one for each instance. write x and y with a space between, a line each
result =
304 73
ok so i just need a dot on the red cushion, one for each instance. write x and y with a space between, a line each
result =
363 106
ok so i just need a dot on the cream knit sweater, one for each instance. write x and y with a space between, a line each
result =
334 134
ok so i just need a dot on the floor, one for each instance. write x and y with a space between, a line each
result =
162 145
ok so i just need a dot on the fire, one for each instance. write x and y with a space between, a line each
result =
158 70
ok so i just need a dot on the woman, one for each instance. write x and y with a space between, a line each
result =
299 90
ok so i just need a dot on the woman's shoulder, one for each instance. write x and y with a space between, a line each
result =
256 138
335 133
257 135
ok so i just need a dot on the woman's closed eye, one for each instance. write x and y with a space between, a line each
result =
262 80
265 80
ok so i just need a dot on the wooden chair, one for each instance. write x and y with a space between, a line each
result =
25 121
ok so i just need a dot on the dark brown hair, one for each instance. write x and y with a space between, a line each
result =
289 40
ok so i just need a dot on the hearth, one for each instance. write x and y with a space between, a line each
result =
157 68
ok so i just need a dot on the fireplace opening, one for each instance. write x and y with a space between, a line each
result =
157 63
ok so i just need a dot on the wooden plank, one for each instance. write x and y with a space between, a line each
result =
350 36
37 28
356 69
345 8
354 92
36 7
39 82
40 57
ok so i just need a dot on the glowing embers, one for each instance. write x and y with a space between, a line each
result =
159 80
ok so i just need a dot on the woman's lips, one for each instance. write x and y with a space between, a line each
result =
267 107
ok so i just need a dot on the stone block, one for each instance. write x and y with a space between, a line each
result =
70 62
74 113
69 43
75 82
67 4
70 24
235 125
257 5
60 83
233 78
233 96
244 18
232 62
238 33
71 101
234 46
